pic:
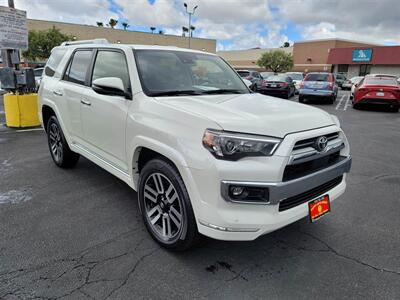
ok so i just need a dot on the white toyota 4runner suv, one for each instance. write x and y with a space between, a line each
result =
205 154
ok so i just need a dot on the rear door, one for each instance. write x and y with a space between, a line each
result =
103 116
72 88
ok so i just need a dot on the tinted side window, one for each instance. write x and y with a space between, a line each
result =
111 64
54 60
78 67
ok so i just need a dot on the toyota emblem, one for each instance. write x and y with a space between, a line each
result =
321 143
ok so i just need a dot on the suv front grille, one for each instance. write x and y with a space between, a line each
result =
309 195
310 142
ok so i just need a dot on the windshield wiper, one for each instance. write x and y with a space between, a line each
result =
224 91
176 93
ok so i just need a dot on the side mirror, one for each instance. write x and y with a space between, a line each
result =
112 86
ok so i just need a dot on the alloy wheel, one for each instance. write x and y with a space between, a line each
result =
56 142
163 207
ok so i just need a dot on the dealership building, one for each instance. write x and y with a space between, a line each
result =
359 61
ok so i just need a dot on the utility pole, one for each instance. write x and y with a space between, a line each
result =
6 53
190 13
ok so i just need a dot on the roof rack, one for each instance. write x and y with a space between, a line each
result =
82 42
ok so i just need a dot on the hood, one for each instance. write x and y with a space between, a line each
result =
252 113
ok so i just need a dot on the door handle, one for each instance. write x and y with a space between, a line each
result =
57 93
85 102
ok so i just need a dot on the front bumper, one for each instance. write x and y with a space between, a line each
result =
279 191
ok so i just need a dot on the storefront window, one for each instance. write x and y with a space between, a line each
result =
365 70
343 68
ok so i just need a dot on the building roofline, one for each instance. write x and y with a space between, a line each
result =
337 39
255 49
107 28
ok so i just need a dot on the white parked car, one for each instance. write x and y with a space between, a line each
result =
351 84
297 78
206 156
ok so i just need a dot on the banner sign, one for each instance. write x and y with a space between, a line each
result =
362 55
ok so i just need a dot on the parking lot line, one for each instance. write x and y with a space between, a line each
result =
340 102
348 102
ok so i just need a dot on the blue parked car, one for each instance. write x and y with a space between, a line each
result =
319 86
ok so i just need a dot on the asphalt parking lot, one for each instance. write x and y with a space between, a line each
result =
78 234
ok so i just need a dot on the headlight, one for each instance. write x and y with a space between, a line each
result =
233 146
336 120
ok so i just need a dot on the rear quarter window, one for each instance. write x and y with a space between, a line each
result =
54 61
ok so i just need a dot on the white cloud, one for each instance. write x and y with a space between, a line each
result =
237 24
72 11
366 20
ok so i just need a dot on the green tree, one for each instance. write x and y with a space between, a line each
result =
41 42
125 25
152 29
286 45
100 24
276 61
112 23
160 32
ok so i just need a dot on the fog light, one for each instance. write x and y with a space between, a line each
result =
237 190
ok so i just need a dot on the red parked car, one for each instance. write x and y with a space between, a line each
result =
377 90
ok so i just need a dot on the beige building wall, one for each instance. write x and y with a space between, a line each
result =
309 56
247 59
87 32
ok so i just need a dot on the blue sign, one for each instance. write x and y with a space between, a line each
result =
362 55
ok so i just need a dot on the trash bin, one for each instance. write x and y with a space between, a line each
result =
21 110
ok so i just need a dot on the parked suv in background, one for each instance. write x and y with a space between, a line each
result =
318 86
206 156
253 76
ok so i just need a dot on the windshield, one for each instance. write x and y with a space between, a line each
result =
380 81
169 73
317 77
295 76
243 73
276 78
356 79
38 72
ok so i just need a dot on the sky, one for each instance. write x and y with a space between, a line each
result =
236 24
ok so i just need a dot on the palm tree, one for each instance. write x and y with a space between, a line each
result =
152 29
160 32
125 25
112 23
192 28
100 24
184 30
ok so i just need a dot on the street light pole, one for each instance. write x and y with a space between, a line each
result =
190 13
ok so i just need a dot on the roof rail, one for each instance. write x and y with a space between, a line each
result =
82 42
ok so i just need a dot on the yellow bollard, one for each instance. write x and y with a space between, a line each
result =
21 110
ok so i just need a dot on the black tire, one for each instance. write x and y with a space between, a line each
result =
287 96
331 100
301 99
177 238
60 152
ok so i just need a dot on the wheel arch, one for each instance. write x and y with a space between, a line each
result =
146 149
